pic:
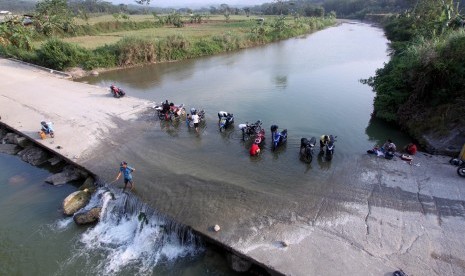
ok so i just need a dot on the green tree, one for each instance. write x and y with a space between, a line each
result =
13 32
53 16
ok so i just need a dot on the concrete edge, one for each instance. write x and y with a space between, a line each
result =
47 149
48 70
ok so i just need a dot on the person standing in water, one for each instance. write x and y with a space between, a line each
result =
126 171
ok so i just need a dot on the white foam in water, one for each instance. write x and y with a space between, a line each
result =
62 224
122 243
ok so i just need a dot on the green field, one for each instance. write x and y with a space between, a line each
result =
213 26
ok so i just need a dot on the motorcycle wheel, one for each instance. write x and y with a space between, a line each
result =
461 171
306 156
329 155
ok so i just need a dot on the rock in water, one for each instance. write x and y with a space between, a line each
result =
75 201
34 155
89 184
91 216
69 173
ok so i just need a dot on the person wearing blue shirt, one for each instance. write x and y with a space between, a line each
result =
126 171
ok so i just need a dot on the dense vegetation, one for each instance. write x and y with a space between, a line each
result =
54 20
422 87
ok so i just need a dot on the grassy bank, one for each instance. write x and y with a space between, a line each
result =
109 44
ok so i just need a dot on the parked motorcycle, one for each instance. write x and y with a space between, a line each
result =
116 92
330 147
201 114
225 120
306 149
461 170
278 138
249 130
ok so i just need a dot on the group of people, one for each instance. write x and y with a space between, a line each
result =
389 148
169 107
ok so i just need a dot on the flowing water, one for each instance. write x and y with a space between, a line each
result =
309 85
130 239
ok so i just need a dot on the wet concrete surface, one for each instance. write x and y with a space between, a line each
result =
366 215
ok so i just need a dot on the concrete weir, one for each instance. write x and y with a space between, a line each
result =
374 216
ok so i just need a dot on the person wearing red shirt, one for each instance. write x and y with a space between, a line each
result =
411 149
254 149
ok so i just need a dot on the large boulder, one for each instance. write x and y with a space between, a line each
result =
69 173
9 149
450 145
10 138
91 216
22 142
75 201
55 160
89 184
34 155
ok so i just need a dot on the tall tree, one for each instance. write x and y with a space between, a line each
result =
52 16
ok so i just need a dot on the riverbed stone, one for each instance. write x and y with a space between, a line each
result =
237 263
75 201
3 132
88 184
34 155
22 142
69 173
91 216
9 149
55 160
10 138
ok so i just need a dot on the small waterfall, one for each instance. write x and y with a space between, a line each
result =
130 239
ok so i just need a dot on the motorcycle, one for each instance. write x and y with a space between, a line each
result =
278 138
249 130
259 137
306 149
330 147
225 120
116 92
169 112
461 170
190 122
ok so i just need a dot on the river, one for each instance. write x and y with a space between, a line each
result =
308 85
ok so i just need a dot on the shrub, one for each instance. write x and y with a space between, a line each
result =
132 51
59 55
